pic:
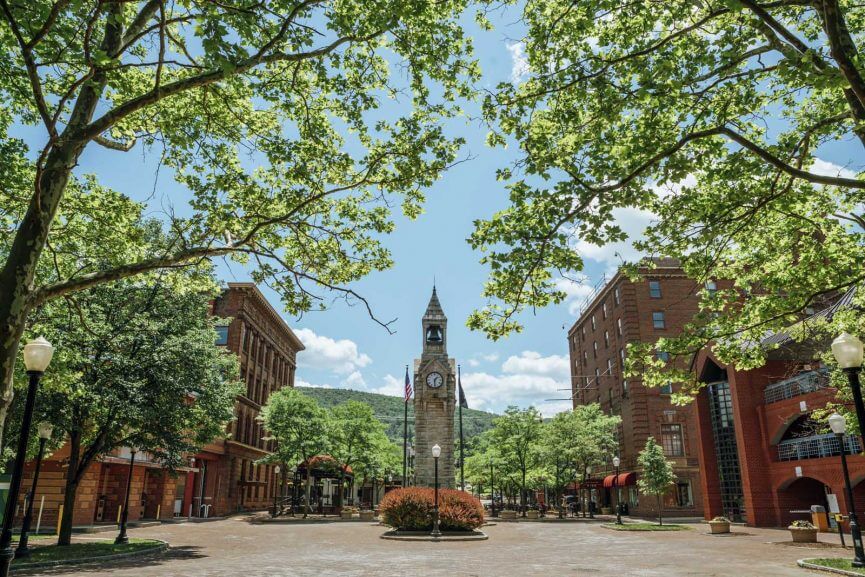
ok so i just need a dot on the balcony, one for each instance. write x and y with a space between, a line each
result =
798 385
816 447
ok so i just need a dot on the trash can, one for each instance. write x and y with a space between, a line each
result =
819 518
4 494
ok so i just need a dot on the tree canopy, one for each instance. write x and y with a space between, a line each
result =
709 116
656 473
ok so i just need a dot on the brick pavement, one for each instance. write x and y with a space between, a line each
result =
234 547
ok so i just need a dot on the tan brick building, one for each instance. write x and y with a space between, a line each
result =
622 312
223 477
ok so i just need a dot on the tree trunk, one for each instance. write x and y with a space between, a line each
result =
523 493
660 516
306 507
65 535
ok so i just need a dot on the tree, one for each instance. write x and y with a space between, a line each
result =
300 428
710 117
355 434
656 473
265 115
516 434
574 441
135 365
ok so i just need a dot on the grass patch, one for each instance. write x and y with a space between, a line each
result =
835 563
75 551
645 527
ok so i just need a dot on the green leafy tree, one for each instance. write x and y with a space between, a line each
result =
712 116
656 473
355 433
517 434
300 428
266 114
135 365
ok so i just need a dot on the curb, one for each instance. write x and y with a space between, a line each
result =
814 567
422 536
161 547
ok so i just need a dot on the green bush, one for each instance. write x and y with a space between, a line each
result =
411 509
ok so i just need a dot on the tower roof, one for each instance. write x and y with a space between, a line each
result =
434 308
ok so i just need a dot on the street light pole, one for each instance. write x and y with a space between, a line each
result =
276 470
492 491
44 430
37 355
121 537
839 426
616 463
436 452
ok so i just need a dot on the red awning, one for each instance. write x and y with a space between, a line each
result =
609 481
626 479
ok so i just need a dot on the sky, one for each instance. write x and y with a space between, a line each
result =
346 349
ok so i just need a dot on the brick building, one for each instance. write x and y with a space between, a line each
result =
765 458
621 312
222 478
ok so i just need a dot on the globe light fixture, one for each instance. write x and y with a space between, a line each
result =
37 355
44 430
838 424
436 451
848 351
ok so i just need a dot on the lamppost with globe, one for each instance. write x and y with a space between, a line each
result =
616 463
276 495
37 355
839 426
124 516
436 453
44 430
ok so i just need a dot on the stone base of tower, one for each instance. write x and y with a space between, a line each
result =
425 471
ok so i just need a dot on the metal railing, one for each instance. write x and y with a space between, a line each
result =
795 386
816 447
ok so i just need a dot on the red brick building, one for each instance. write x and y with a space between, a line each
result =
222 478
765 460
622 312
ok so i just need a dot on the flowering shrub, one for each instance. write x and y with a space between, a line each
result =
801 525
720 519
411 509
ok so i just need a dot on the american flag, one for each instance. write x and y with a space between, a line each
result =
407 385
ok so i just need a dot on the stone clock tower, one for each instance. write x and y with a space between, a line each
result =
434 399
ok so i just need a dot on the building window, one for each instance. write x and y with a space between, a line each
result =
609 366
655 289
604 310
711 287
585 358
683 494
606 339
593 322
625 386
667 388
671 440
595 349
221 336
583 331
619 326
597 374
663 356
622 356
658 320
617 298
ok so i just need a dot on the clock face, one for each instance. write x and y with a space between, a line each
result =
434 380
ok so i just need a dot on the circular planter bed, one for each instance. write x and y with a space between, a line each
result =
831 565
446 536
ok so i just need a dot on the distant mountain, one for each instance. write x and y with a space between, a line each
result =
389 410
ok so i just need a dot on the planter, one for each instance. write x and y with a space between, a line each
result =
606 510
508 515
366 515
718 527
801 535
346 515
532 514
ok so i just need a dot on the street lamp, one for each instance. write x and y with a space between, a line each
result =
436 453
848 352
492 491
589 494
839 426
44 431
37 355
276 471
616 462
121 537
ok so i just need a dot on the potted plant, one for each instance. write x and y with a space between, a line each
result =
803 532
606 510
719 525
347 512
532 514
367 515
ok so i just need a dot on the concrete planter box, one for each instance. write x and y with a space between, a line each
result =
346 515
508 515
606 510
531 514
718 527
366 515
802 535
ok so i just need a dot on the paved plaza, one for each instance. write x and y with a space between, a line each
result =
235 547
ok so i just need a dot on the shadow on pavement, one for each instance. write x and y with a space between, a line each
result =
180 553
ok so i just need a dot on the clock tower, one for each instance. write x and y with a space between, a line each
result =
434 399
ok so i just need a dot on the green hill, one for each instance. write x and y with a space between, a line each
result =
389 411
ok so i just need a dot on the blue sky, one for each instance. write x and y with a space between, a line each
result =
346 349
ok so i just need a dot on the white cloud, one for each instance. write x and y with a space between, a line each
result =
478 360
324 353
301 383
533 363
393 386
826 168
519 61
490 392
354 380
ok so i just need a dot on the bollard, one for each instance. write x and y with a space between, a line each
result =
158 510
119 510
59 518
39 519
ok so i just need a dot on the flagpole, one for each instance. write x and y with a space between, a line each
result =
405 435
462 460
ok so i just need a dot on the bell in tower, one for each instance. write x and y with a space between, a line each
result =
434 334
